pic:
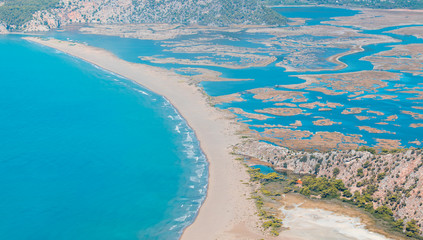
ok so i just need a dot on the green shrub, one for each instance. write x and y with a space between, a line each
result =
399 224
366 164
274 232
360 172
381 176
267 224
335 172
347 193
305 191
339 184
367 149
331 192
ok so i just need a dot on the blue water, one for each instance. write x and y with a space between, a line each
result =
263 169
86 154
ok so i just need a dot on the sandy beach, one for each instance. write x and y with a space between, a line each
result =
227 213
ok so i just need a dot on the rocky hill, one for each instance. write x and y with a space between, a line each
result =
2 28
391 178
49 14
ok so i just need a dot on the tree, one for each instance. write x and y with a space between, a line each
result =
271 177
335 172
347 193
331 192
339 184
317 168
412 229
399 224
18 12
360 172
366 164
385 213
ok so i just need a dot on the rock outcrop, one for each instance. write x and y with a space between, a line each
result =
201 12
3 29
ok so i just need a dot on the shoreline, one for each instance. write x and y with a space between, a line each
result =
226 212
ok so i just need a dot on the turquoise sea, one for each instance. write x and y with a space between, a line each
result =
86 154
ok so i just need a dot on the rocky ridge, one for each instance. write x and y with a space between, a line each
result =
201 12
396 176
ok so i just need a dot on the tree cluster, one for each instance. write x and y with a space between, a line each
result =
15 13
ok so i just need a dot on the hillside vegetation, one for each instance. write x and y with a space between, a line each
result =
18 12
218 12
48 14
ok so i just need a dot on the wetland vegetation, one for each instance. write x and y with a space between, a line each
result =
273 185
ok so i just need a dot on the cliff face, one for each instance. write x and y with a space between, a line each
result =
397 177
202 12
3 29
